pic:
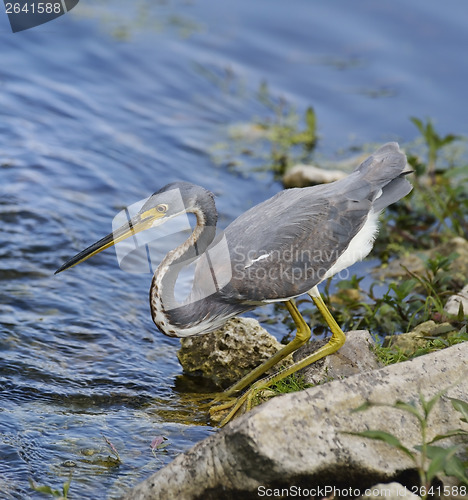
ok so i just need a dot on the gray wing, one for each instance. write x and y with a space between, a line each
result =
283 247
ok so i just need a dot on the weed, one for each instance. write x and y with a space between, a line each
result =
402 306
288 144
394 354
273 143
434 144
47 490
293 383
441 206
433 212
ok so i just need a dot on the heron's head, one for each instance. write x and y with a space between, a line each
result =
170 201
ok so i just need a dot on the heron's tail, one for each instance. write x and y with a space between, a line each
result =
393 191
385 171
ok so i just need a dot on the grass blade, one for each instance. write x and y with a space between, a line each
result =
386 437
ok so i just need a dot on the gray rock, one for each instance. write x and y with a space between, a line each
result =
356 356
390 491
301 438
307 175
226 355
453 303
302 175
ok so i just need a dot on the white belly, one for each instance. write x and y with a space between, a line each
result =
359 247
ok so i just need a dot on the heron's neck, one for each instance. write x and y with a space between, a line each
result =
162 298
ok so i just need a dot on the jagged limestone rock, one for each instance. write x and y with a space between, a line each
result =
226 355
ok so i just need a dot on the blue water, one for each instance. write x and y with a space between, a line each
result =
108 103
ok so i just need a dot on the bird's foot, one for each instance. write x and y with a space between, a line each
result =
236 406
206 400
224 412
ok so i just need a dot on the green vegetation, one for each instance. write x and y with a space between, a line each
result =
273 143
434 144
394 354
430 460
288 144
436 209
417 298
293 383
430 215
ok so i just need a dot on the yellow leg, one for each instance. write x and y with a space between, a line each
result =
302 336
336 341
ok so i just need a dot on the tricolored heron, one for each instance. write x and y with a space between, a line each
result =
274 252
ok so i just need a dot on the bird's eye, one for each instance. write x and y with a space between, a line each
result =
152 212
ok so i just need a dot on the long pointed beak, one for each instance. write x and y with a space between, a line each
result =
134 226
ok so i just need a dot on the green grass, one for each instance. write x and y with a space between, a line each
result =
293 383
394 354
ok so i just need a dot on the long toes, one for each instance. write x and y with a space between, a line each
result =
222 413
222 406
237 409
